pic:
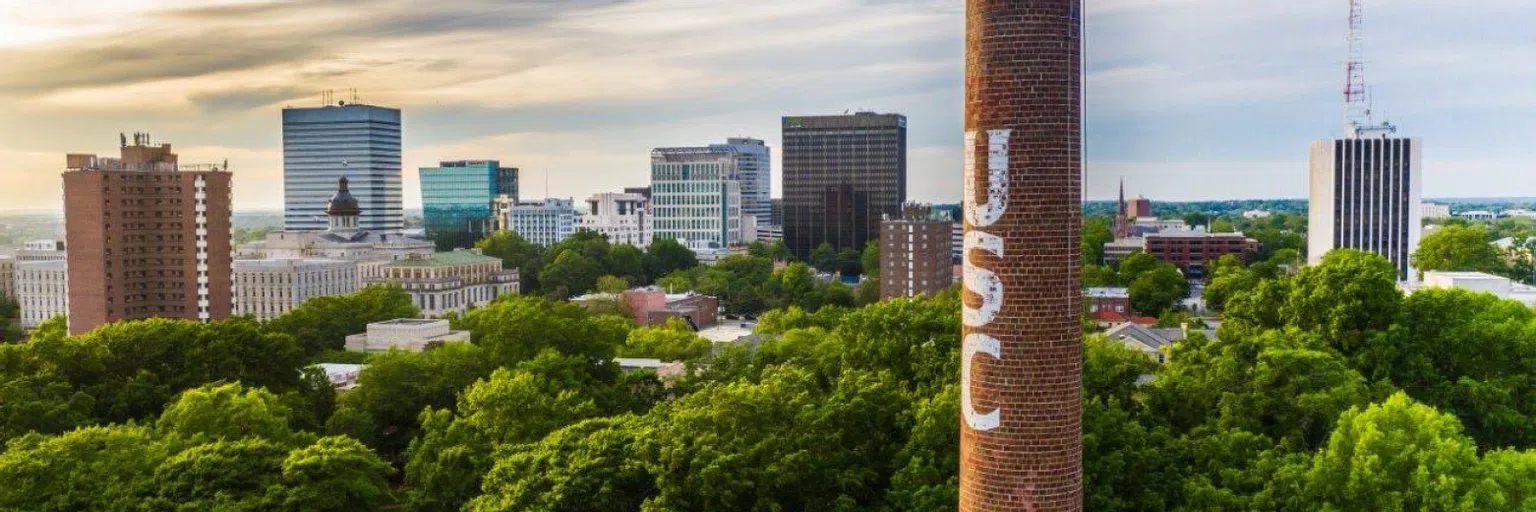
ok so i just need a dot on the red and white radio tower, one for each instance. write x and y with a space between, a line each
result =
1357 101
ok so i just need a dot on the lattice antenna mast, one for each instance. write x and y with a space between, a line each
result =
1357 102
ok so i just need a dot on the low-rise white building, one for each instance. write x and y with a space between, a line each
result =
408 334
620 216
343 376
544 222
1435 211
42 290
1478 215
707 252
1500 286
1256 214
451 281
1520 213
271 288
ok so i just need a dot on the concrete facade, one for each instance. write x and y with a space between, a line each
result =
1435 211
408 334
147 237
451 281
41 250
42 291
696 196
1365 194
623 217
271 288
1499 286
1021 357
544 222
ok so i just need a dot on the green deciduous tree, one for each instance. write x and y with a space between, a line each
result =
228 411
824 257
1158 290
764 446
235 475
518 253
666 256
1096 232
588 466
383 411
672 342
1461 248
571 273
446 463
1134 266
93 468
323 323
335 474
869 260
1348 296
516 329
1399 455
1098 275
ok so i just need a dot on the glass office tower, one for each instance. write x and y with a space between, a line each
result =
457 199
322 144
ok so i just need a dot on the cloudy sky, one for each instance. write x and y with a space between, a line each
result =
1187 99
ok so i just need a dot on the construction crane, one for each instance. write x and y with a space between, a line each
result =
1357 102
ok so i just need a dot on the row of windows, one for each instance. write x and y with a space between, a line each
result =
683 187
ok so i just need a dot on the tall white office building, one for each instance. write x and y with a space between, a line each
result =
754 169
694 197
544 222
1366 194
353 141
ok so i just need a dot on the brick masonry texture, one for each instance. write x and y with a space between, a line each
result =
1023 73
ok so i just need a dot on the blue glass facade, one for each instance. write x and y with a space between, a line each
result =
456 198
320 145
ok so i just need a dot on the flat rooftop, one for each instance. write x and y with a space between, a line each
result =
445 259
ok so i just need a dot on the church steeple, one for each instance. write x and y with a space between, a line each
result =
1122 219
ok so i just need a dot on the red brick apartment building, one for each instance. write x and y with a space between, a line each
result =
1194 251
147 237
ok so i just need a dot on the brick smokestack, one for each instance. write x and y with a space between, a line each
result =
1021 374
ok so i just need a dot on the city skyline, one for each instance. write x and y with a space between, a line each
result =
582 90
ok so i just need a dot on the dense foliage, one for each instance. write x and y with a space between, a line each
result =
1327 390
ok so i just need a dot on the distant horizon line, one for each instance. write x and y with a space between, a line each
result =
1494 199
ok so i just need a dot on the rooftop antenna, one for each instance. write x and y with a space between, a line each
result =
354 95
1357 101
